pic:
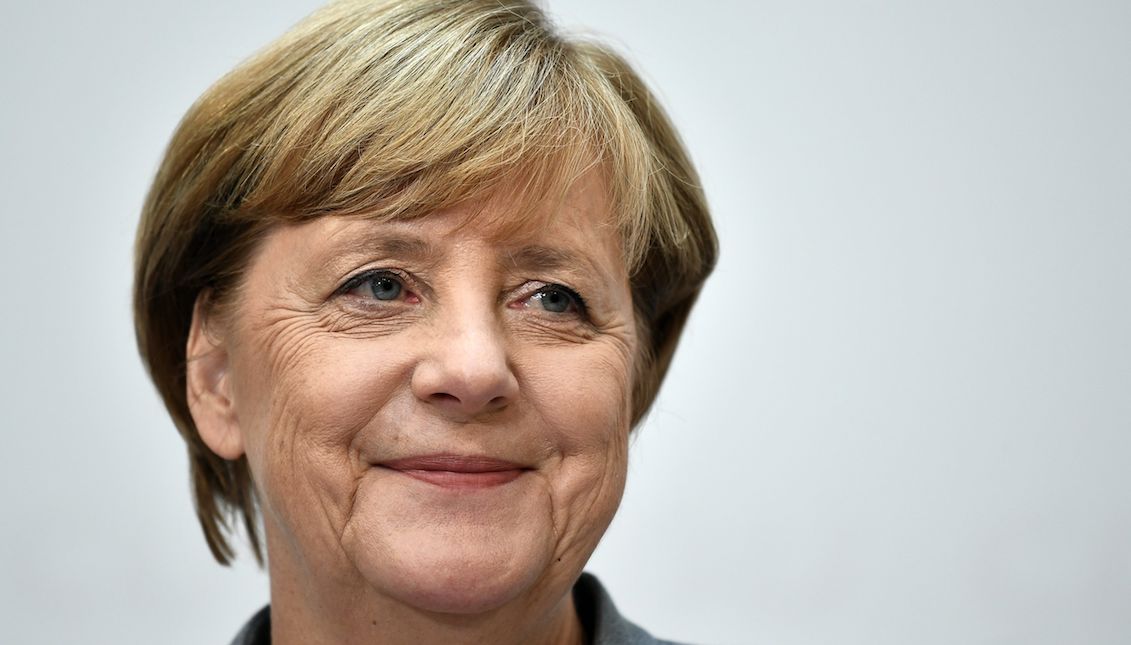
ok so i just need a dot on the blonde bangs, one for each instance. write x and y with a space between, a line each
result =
458 102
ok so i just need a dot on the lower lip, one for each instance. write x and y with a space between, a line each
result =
464 481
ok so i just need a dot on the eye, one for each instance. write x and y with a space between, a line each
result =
380 285
557 299
384 287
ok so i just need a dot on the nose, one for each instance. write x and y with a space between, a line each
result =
465 371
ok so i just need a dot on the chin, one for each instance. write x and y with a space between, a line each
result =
458 566
467 578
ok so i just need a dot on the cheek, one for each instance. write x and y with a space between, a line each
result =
584 405
303 397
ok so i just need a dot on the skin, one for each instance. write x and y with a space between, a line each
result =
480 351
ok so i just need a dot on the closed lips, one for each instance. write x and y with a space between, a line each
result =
457 471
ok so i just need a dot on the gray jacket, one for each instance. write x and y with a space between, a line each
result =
598 614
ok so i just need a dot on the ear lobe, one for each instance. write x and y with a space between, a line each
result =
209 387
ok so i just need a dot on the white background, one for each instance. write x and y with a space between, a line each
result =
900 414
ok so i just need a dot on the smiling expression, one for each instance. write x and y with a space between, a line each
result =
435 411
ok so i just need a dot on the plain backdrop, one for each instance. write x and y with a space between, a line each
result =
899 415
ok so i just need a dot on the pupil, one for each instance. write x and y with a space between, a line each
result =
386 289
555 301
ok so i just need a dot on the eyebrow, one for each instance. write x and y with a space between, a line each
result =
401 246
548 258
411 247
527 258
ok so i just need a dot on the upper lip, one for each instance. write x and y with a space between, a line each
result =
452 463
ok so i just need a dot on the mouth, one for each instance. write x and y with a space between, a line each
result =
457 472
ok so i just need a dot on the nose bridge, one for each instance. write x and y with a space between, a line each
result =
466 370
472 342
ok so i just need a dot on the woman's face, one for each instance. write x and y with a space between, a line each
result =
435 411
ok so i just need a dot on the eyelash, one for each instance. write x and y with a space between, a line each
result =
578 302
362 278
371 275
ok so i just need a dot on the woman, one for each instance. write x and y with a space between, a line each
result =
406 279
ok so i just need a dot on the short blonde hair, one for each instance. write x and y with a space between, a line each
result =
397 109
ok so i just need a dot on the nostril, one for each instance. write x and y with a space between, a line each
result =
444 396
